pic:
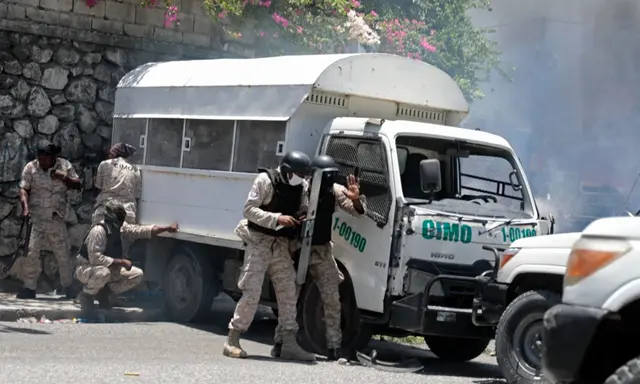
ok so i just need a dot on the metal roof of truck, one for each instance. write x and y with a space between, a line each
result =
273 88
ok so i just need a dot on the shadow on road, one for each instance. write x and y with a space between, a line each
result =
26 331
263 326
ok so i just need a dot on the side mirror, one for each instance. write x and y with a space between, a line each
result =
552 228
430 181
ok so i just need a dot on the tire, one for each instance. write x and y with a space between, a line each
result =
455 349
519 327
355 334
627 374
189 288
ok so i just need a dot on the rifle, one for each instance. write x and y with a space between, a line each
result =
24 235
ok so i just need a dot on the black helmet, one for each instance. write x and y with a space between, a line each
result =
296 162
324 162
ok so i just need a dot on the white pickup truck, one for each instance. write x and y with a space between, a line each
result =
592 337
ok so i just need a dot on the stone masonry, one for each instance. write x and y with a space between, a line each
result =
60 62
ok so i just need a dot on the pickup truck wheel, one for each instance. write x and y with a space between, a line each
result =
312 337
627 374
455 349
188 286
519 336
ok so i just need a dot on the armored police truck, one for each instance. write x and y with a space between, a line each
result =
436 195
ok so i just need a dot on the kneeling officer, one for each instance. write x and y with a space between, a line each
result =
101 266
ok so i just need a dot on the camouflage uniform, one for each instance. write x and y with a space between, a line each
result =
97 271
265 254
324 271
119 181
47 206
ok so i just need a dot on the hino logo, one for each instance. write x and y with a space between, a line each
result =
438 255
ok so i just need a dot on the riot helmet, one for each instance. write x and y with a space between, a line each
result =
295 166
330 168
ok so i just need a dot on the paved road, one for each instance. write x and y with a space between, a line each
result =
173 353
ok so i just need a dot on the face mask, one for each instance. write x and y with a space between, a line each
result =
295 179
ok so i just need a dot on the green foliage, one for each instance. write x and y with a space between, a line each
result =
439 32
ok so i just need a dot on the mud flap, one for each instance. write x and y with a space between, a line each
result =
404 366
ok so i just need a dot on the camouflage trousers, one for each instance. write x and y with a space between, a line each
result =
326 275
95 277
48 235
98 216
266 254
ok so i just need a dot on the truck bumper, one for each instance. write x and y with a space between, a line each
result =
568 332
415 313
491 299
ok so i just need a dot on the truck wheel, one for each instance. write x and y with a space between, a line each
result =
188 284
519 336
355 334
627 374
455 349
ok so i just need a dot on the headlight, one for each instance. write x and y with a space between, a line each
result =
590 254
508 255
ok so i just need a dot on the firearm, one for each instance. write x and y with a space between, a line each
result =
24 236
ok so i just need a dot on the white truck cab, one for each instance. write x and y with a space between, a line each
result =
438 197
592 336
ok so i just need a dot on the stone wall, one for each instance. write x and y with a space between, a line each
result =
60 62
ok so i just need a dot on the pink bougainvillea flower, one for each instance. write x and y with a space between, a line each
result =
425 44
373 13
266 3
261 33
355 3
280 20
299 29
222 15
91 3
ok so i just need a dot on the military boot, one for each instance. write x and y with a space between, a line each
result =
334 354
277 348
232 346
292 351
87 306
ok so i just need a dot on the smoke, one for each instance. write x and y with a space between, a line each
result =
573 108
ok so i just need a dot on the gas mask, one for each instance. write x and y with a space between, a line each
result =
295 180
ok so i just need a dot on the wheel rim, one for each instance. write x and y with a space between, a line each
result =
527 344
180 285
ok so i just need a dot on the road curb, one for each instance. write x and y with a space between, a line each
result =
116 315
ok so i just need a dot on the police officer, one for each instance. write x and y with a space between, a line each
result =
271 213
322 266
118 180
43 194
101 265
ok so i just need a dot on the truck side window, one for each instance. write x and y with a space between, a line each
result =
129 131
257 144
211 144
164 142
369 156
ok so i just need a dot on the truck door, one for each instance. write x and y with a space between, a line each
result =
363 244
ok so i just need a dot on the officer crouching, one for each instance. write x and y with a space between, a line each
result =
101 264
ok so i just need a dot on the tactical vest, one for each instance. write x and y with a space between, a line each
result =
324 217
286 200
114 244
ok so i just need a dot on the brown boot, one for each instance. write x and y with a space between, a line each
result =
292 351
232 346
87 306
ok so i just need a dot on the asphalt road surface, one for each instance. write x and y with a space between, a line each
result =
181 354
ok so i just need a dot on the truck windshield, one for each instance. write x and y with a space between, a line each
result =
477 180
